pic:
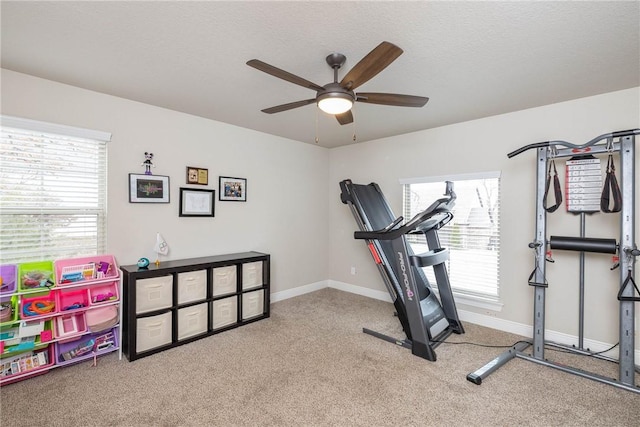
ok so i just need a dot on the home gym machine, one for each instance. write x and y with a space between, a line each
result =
580 188
425 320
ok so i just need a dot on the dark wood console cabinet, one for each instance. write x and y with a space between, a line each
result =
180 301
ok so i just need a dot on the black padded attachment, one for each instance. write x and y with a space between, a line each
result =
584 244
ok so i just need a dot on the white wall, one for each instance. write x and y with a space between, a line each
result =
482 145
293 210
285 215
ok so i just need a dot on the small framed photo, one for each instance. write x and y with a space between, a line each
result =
233 189
148 188
197 202
198 176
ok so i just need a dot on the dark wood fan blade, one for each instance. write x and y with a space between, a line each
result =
375 61
284 75
289 106
394 99
345 118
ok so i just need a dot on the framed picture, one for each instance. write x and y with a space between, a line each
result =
196 202
148 188
233 189
198 176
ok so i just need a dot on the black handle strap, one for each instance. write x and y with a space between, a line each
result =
627 281
611 189
557 190
532 282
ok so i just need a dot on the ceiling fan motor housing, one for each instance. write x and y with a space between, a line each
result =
334 90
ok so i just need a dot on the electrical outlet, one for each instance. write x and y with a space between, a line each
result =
353 271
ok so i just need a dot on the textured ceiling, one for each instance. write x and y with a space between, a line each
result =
472 59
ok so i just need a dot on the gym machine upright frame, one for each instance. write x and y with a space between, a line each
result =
622 142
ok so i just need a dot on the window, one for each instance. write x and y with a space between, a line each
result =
472 236
52 191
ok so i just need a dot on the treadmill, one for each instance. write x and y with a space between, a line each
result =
426 320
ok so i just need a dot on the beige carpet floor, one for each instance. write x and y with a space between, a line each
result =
309 364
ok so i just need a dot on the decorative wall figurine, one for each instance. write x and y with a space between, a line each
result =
148 164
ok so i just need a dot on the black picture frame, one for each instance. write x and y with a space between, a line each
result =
197 202
232 189
148 188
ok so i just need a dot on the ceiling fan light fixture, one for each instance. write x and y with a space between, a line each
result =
335 102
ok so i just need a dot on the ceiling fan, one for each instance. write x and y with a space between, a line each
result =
338 98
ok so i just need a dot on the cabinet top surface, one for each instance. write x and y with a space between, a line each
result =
190 262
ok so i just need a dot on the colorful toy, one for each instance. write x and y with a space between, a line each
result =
104 341
80 350
38 307
37 279
103 297
71 277
102 269
148 164
73 306
143 263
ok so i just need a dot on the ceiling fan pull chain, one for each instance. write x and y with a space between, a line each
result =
355 131
317 139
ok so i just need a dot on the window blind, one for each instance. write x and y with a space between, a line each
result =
53 191
472 237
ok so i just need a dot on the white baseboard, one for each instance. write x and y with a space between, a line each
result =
465 316
359 290
301 290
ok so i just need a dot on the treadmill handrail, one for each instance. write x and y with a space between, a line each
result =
393 233
441 206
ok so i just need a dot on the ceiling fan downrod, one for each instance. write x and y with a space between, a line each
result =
336 61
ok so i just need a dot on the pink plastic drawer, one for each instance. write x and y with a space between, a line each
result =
42 305
72 299
26 365
78 270
70 325
103 294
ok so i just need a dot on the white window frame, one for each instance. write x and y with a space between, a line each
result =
51 133
489 300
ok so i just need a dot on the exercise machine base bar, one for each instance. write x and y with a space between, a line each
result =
426 352
517 350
